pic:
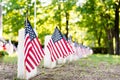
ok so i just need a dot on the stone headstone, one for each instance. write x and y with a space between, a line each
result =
47 58
22 73
61 60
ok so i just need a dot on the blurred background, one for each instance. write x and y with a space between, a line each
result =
93 23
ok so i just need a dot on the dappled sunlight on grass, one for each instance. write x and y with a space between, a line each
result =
94 58
13 55
97 58
10 58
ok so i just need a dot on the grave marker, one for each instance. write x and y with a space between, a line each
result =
47 58
22 72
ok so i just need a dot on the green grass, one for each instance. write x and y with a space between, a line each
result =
98 58
9 58
95 58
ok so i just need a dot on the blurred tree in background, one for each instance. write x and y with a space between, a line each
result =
94 23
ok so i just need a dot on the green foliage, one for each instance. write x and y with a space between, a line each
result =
13 19
99 58
94 18
98 18
3 53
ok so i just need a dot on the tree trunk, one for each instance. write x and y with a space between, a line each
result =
116 29
110 41
99 38
59 8
67 23
109 32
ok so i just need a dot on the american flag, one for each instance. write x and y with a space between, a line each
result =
32 48
58 46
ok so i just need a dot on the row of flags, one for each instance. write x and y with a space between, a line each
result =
80 50
58 47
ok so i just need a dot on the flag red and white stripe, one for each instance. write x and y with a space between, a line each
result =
58 46
32 49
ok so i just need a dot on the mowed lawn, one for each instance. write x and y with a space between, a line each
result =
98 58
95 58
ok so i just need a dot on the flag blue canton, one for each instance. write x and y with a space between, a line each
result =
57 35
29 30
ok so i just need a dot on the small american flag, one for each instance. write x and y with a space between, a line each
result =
58 46
32 48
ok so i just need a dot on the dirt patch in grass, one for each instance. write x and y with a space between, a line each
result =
70 71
